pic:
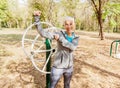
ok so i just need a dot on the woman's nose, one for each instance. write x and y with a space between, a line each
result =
69 25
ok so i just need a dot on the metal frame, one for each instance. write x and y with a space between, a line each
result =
116 47
32 53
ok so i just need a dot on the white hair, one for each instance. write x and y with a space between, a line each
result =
69 18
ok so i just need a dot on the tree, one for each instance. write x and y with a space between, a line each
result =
70 6
98 6
15 16
3 10
112 13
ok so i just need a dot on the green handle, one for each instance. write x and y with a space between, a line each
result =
48 67
117 43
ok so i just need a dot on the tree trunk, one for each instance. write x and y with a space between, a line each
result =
17 24
98 11
0 25
100 21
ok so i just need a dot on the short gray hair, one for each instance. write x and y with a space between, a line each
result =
69 18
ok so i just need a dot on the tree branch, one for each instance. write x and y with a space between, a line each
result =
95 6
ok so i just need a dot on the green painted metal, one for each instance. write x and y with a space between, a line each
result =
117 43
48 67
116 47
111 50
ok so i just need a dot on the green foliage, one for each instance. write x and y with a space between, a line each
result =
113 23
105 14
70 6
3 9
112 11
4 51
12 16
43 6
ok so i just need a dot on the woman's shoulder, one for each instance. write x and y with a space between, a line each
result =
60 31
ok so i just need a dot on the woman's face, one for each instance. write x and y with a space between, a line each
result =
69 25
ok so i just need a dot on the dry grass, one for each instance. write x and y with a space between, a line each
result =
4 51
93 67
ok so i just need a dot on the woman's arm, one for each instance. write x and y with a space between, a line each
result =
41 31
70 45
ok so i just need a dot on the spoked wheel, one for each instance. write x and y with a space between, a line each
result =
35 48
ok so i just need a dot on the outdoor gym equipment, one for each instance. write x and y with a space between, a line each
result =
117 53
38 49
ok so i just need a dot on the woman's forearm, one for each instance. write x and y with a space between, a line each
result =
41 31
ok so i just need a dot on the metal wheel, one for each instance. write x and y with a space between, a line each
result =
34 46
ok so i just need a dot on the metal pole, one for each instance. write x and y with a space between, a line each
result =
111 49
48 67
117 43
116 48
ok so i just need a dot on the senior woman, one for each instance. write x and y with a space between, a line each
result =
67 42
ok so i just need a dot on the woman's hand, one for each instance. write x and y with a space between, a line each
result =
37 13
56 37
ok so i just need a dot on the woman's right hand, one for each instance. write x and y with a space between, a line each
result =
37 13
56 37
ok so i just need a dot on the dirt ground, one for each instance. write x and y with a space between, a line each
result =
93 67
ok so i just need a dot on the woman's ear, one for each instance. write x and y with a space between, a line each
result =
73 24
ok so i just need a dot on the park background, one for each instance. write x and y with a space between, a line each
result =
97 24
